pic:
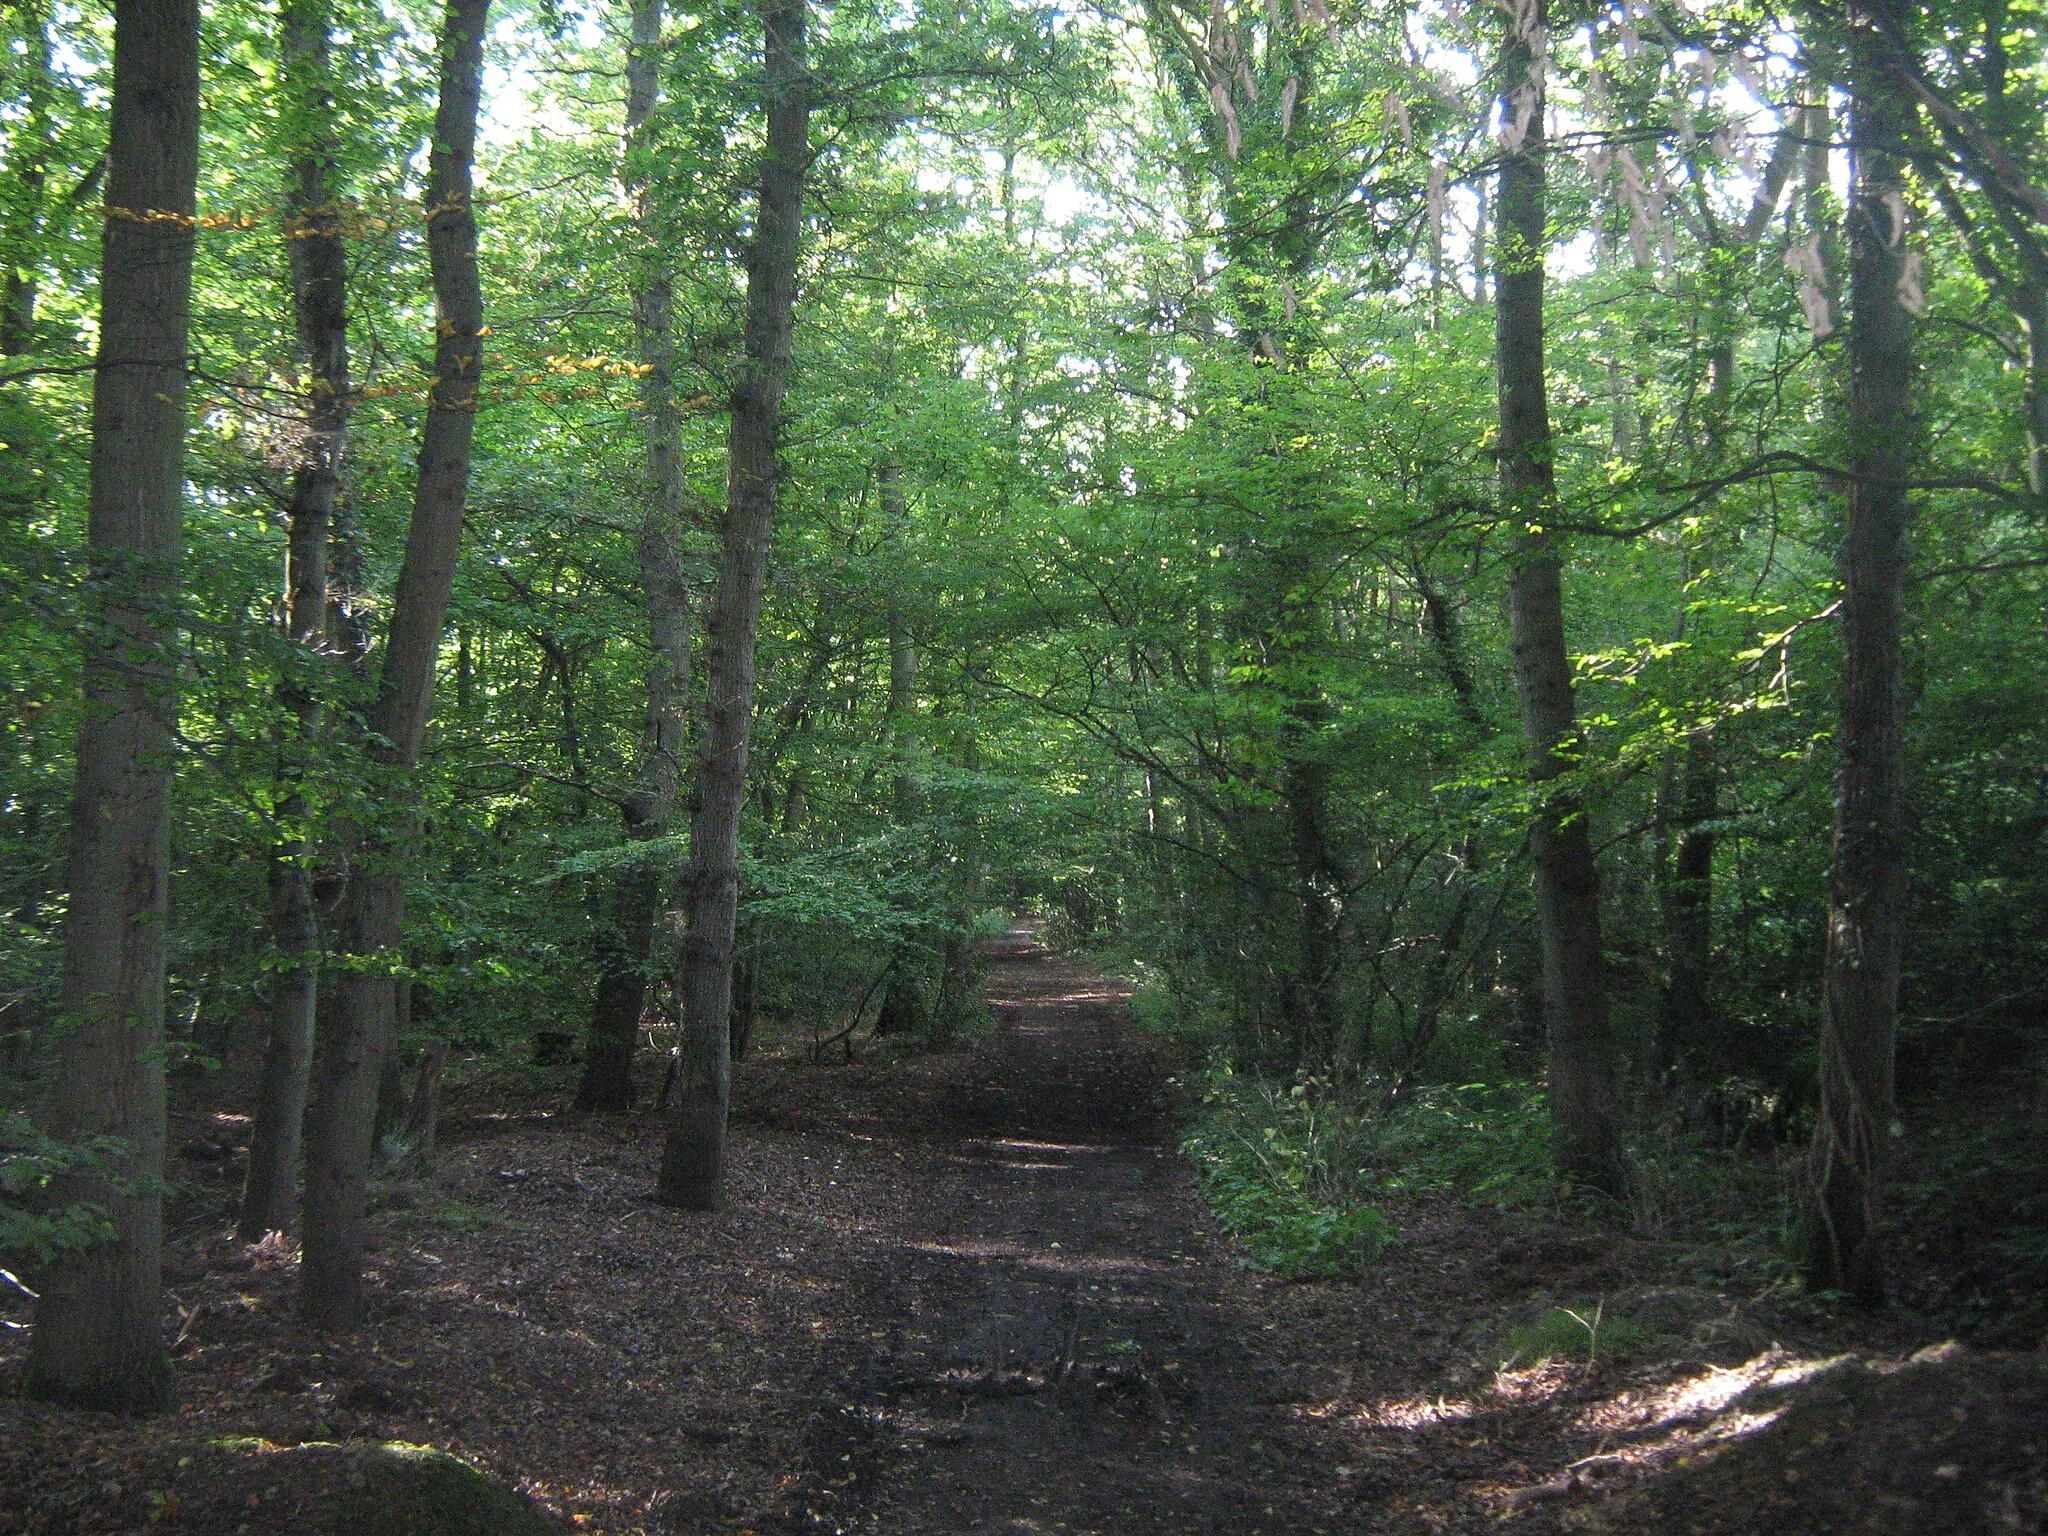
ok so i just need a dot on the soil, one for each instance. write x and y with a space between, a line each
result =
965 1293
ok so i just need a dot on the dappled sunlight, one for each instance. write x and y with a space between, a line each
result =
1101 1267
1705 1395
1415 1413
1048 1258
1534 1383
974 1249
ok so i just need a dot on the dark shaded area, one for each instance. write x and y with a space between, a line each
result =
1947 1442
1058 1354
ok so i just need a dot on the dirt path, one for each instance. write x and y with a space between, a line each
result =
958 1294
1059 1354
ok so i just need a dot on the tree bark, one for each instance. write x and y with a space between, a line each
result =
1817 193
1685 1012
98 1341
341 1122
1867 884
902 1009
319 270
1308 999
1582 1076
28 159
626 929
2035 323
693 1161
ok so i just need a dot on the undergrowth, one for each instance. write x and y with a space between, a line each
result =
1298 1172
1590 1333
1276 1188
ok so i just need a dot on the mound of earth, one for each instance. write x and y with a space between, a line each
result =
1945 1442
248 1487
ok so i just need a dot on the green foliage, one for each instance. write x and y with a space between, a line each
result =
1191 520
1281 1225
1272 1167
1487 1144
1975 1194
31 1229
1587 1332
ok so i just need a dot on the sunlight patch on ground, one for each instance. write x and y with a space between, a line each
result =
970 1249
1704 1396
1108 1266
1099 1266
1415 1413
1546 1378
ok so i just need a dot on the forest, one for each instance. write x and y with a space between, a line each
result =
1375 668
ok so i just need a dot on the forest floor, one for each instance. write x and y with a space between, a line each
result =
957 1294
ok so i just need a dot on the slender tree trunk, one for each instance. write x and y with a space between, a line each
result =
1310 1001
1867 885
341 1123
28 160
626 930
1440 623
693 1162
319 268
1817 193
1689 797
1583 1095
1685 1012
98 1340
903 999
903 659
2036 324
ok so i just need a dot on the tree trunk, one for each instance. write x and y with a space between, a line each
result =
693 1161
1582 1078
410 1151
341 1124
1867 884
28 159
626 934
902 1010
903 666
1817 194
319 269
1685 1013
98 1341
625 945
1308 999
2036 398
1440 623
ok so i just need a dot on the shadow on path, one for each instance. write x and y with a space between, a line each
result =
1054 1352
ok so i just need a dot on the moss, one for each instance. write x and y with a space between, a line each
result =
389 1488
415 1490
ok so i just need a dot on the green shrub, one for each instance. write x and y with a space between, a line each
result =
1488 1144
1586 1333
1281 1229
29 1228
1276 1168
1976 1196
